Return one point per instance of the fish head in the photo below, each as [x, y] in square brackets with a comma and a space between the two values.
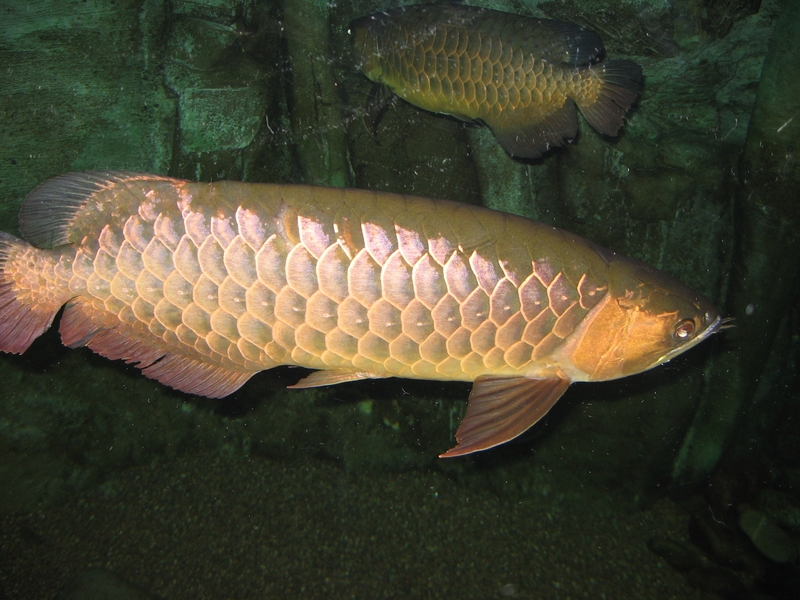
[646, 319]
[667, 319]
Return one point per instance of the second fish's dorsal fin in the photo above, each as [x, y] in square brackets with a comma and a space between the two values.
[69, 207]
[565, 42]
[502, 408]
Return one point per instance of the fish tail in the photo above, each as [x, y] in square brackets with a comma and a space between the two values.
[619, 84]
[30, 296]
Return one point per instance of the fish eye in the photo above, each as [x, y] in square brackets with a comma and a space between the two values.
[684, 330]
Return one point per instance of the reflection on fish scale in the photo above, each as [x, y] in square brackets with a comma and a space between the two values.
[394, 304]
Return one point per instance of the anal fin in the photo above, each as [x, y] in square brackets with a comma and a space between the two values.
[331, 377]
[530, 136]
[81, 325]
[194, 376]
[502, 408]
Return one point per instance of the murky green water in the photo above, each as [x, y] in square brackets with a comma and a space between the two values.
[626, 486]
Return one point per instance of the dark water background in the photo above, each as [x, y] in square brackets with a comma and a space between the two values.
[683, 482]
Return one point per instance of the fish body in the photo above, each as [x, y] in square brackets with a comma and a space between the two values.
[520, 75]
[202, 285]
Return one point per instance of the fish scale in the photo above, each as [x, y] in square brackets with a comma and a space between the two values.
[204, 285]
[383, 318]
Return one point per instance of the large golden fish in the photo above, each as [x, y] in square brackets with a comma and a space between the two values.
[520, 75]
[205, 284]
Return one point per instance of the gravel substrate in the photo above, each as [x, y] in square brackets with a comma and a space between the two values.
[209, 527]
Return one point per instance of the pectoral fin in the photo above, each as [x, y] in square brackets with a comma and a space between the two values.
[331, 377]
[378, 101]
[502, 408]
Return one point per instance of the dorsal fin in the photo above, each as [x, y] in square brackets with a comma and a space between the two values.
[64, 209]
[569, 43]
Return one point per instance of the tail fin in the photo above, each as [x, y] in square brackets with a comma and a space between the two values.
[28, 303]
[620, 81]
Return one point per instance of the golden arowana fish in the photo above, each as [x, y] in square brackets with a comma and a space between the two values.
[519, 75]
[205, 284]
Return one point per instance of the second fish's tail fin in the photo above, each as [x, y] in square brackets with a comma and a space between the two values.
[620, 81]
[31, 292]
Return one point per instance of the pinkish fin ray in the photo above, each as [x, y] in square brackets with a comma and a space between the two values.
[21, 321]
[331, 377]
[195, 377]
[80, 327]
[50, 212]
[502, 408]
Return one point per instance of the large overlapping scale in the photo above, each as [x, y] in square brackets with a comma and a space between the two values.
[250, 277]
[483, 64]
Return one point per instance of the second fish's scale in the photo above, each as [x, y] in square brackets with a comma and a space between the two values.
[520, 75]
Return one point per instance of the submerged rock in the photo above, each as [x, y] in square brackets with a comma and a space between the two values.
[772, 541]
[724, 544]
[784, 507]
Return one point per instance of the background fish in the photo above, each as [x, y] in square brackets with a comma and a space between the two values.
[205, 284]
[520, 75]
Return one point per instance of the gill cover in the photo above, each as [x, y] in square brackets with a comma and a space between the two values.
[646, 320]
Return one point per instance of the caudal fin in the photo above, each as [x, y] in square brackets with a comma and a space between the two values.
[620, 81]
[27, 302]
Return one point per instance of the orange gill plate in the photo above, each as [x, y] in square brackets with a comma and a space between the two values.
[202, 285]
[519, 75]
